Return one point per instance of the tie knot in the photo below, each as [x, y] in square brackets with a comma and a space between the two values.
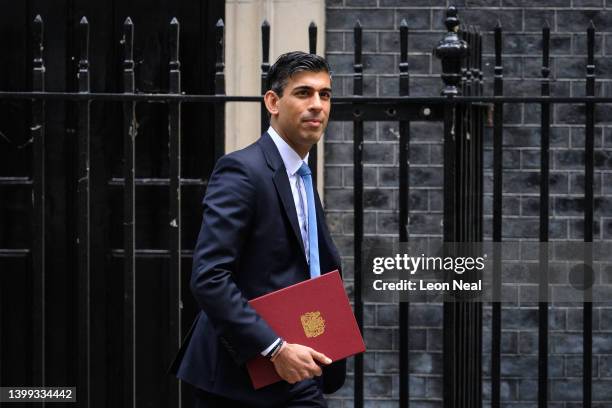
[304, 170]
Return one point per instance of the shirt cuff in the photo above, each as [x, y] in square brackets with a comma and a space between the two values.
[270, 347]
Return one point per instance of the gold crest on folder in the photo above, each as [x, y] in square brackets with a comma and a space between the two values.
[313, 324]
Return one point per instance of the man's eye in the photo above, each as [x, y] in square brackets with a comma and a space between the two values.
[325, 95]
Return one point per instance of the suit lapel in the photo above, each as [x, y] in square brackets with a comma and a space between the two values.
[281, 182]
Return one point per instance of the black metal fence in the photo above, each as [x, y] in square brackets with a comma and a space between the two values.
[462, 108]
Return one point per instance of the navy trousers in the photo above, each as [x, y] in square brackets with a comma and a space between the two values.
[310, 396]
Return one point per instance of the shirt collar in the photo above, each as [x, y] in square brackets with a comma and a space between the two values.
[291, 159]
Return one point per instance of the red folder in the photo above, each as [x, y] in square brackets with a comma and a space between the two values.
[315, 313]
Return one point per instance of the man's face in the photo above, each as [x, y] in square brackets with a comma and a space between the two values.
[301, 114]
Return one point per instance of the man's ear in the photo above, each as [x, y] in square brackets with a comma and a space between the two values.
[271, 100]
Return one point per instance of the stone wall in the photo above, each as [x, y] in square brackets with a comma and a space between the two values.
[522, 22]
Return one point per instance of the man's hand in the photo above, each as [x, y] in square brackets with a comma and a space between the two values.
[295, 362]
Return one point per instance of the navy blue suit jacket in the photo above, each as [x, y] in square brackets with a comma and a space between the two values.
[249, 245]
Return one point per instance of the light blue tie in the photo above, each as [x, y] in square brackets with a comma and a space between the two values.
[313, 237]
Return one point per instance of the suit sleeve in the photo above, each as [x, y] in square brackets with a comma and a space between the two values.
[228, 215]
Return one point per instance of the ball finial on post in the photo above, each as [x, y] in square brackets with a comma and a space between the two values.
[451, 50]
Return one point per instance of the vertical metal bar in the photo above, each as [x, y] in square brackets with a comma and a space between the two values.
[470, 323]
[469, 168]
[469, 203]
[587, 329]
[467, 376]
[474, 139]
[480, 139]
[473, 323]
[83, 237]
[477, 335]
[475, 306]
[452, 51]
[471, 198]
[498, 90]
[480, 213]
[265, 68]
[174, 287]
[475, 120]
[219, 107]
[448, 234]
[38, 239]
[404, 194]
[313, 156]
[544, 204]
[358, 214]
[462, 144]
[462, 123]
[129, 215]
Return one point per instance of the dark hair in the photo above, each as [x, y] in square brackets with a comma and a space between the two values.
[288, 64]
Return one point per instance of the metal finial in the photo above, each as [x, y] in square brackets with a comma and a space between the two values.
[451, 50]
[452, 22]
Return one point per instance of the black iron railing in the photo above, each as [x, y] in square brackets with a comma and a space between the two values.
[462, 108]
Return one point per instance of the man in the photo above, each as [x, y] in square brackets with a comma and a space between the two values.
[263, 229]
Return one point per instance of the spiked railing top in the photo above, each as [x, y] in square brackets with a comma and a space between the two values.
[219, 29]
[403, 43]
[175, 32]
[265, 42]
[128, 42]
[312, 38]
[545, 50]
[357, 37]
[498, 44]
[83, 43]
[38, 37]
[591, 43]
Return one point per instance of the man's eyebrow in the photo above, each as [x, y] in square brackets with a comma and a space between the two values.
[307, 87]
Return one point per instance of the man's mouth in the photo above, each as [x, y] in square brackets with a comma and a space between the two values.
[313, 122]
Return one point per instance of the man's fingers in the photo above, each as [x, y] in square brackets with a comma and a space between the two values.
[301, 365]
[305, 374]
[320, 357]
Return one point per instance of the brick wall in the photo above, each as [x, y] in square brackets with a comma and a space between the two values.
[522, 22]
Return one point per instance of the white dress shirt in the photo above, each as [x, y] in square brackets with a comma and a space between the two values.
[293, 162]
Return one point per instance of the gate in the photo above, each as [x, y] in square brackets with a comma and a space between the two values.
[104, 250]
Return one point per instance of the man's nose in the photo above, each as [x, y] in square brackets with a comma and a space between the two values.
[315, 103]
